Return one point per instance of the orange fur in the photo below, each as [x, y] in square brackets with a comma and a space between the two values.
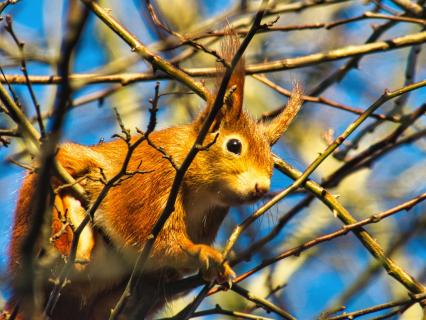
[62, 233]
[217, 179]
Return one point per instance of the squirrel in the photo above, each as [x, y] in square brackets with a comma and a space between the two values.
[236, 169]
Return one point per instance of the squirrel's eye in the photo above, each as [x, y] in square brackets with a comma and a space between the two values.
[234, 146]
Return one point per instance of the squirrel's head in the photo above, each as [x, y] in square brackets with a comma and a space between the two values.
[237, 167]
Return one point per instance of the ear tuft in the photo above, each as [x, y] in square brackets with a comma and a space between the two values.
[229, 48]
[233, 101]
[277, 126]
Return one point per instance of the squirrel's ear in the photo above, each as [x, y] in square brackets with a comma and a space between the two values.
[235, 89]
[233, 101]
[202, 116]
[278, 125]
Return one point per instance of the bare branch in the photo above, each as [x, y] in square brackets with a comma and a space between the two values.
[273, 66]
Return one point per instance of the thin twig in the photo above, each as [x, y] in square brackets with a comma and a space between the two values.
[4, 4]
[339, 74]
[236, 314]
[387, 95]
[338, 233]
[309, 26]
[410, 6]
[367, 240]
[320, 99]
[364, 158]
[352, 315]
[265, 304]
[372, 269]
[183, 40]
[153, 111]
[410, 72]
[75, 21]
[116, 179]
[273, 66]
[138, 47]
[24, 69]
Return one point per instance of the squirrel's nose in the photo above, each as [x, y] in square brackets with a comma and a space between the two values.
[261, 188]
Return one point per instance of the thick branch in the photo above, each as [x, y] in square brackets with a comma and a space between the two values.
[138, 47]
[368, 241]
[327, 152]
[273, 66]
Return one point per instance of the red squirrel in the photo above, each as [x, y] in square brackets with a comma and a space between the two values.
[236, 169]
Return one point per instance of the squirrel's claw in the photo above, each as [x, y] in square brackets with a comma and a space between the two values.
[212, 266]
[226, 277]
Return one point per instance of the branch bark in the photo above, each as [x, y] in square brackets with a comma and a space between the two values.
[185, 74]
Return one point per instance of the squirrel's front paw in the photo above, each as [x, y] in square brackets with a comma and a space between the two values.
[212, 266]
